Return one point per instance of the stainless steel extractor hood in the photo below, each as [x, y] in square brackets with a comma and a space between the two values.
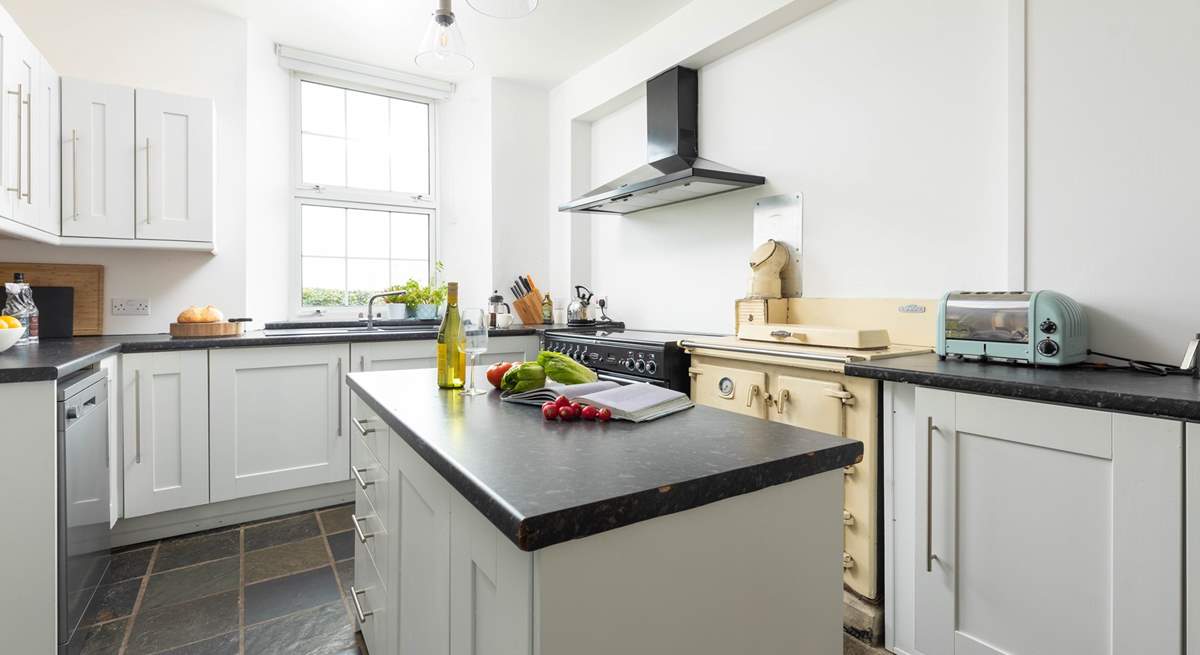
[676, 173]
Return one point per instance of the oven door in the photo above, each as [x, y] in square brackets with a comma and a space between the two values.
[625, 378]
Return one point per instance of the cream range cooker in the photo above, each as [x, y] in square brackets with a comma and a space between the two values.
[792, 372]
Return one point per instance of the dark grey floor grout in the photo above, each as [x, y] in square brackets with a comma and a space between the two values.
[137, 604]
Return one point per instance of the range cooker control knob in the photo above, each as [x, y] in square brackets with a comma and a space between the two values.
[595, 357]
[1049, 327]
[1047, 348]
[651, 367]
[629, 364]
[640, 366]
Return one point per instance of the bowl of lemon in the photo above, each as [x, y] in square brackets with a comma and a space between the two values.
[10, 332]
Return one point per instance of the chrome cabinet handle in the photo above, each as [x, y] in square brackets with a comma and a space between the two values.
[29, 142]
[929, 556]
[339, 396]
[147, 180]
[74, 175]
[362, 616]
[20, 93]
[362, 429]
[137, 416]
[362, 537]
[358, 476]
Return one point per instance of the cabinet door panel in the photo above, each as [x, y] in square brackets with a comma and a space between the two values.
[372, 598]
[732, 389]
[46, 112]
[174, 167]
[1192, 538]
[165, 404]
[277, 419]
[490, 592]
[10, 35]
[813, 404]
[21, 64]
[97, 160]
[424, 571]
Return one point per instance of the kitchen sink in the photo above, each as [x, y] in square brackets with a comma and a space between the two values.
[314, 332]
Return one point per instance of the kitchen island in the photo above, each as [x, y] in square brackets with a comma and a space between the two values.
[483, 528]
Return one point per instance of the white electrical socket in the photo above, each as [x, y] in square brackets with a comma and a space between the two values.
[130, 306]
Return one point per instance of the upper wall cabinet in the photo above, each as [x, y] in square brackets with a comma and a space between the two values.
[97, 160]
[174, 174]
[29, 111]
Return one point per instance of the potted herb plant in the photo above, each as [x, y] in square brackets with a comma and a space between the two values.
[396, 305]
[424, 300]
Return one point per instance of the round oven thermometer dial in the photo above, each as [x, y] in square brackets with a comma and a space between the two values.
[725, 387]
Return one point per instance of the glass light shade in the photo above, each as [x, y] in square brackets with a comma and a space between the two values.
[504, 8]
[443, 49]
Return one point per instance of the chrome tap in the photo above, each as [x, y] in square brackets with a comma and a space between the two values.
[371, 301]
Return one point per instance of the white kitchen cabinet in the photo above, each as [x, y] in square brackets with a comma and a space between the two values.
[97, 160]
[279, 418]
[1191, 473]
[10, 74]
[21, 64]
[47, 174]
[174, 174]
[164, 402]
[1043, 529]
[403, 355]
[491, 598]
[422, 578]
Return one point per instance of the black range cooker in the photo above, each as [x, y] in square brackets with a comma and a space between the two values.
[626, 355]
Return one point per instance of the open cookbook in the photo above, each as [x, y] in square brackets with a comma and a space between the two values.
[635, 402]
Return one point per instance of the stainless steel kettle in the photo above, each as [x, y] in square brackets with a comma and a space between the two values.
[578, 309]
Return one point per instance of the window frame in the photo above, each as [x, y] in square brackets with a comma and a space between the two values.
[350, 198]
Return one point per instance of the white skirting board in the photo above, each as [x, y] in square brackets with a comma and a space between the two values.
[230, 512]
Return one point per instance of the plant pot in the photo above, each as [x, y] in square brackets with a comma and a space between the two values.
[427, 311]
[397, 310]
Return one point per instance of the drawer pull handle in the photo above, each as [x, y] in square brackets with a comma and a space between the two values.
[362, 616]
[780, 334]
[362, 429]
[930, 428]
[358, 476]
[362, 537]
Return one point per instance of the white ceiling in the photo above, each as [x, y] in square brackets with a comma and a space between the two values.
[555, 41]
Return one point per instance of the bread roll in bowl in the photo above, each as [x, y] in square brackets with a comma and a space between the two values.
[197, 314]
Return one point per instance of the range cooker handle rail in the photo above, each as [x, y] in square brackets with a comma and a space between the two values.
[817, 357]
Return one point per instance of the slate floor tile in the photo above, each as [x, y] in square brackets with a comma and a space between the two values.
[324, 630]
[127, 565]
[345, 572]
[275, 598]
[179, 585]
[188, 550]
[289, 558]
[226, 644]
[337, 519]
[104, 639]
[175, 625]
[342, 545]
[112, 602]
[296, 528]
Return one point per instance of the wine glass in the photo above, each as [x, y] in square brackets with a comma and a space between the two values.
[475, 337]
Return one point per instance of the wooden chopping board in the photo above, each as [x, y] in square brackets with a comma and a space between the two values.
[86, 279]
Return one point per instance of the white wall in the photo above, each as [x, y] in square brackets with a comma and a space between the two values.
[465, 186]
[890, 119]
[173, 47]
[268, 180]
[1114, 132]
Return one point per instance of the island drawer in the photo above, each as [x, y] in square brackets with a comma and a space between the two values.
[369, 602]
[370, 531]
[372, 432]
[371, 480]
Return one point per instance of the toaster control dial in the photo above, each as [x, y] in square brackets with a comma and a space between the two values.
[1049, 327]
[1047, 348]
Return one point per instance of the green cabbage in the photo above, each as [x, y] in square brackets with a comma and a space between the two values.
[565, 370]
[523, 377]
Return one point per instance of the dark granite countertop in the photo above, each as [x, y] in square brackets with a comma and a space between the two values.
[1118, 390]
[51, 359]
[543, 483]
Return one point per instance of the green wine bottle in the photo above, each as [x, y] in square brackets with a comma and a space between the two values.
[451, 344]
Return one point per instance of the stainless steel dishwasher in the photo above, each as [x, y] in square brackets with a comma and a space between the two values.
[84, 546]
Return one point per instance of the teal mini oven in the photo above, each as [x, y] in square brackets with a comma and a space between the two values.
[1034, 327]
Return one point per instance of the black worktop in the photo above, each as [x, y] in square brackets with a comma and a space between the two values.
[1112, 389]
[543, 483]
[51, 359]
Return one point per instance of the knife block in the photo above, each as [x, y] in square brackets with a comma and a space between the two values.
[529, 308]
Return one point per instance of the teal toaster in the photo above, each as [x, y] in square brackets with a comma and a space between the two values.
[1034, 327]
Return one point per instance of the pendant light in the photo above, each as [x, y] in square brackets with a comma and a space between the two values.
[443, 49]
[504, 8]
